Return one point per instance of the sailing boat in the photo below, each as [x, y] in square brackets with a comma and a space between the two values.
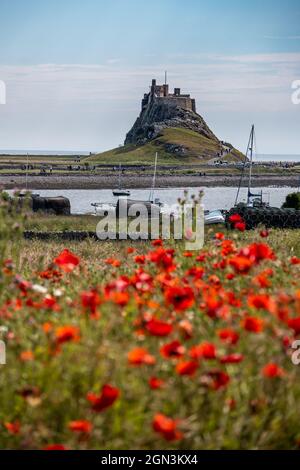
[120, 191]
[151, 200]
[252, 199]
[151, 195]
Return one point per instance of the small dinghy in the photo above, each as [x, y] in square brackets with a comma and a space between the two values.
[120, 191]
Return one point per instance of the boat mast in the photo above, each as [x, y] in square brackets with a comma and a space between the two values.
[154, 179]
[251, 162]
[26, 176]
[250, 145]
[119, 175]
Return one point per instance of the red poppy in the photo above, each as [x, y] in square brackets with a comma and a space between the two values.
[272, 370]
[219, 236]
[295, 260]
[157, 242]
[294, 324]
[13, 427]
[235, 218]
[158, 328]
[113, 262]
[90, 300]
[105, 399]
[241, 226]
[228, 335]
[173, 349]
[140, 259]
[253, 324]
[155, 383]
[67, 260]
[167, 427]
[181, 298]
[120, 298]
[163, 258]
[259, 252]
[218, 379]
[204, 350]
[241, 264]
[67, 333]
[233, 358]
[82, 426]
[264, 233]
[187, 367]
[55, 447]
[140, 356]
[262, 301]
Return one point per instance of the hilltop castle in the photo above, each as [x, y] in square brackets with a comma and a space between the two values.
[161, 110]
[161, 94]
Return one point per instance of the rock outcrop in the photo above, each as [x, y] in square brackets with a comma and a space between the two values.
[160, 114]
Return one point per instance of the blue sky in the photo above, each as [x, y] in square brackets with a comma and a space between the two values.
[75, 71]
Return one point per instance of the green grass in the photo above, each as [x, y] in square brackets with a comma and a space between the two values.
[198, 149]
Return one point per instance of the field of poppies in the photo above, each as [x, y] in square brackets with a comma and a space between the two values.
[120, 345]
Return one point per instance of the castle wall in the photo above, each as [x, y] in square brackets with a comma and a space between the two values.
[182, 102]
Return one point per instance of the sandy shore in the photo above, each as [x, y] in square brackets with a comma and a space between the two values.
[137, 181]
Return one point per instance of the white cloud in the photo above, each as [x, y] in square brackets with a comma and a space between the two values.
[92, 106]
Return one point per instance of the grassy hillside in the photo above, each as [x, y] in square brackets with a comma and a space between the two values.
[191, 148]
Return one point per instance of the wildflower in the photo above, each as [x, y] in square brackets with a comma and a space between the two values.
[157, 242]
[120, 298]
[26, 356]
[262, 301]
[294, 324]
[295, 260]
[233, 358]
[67, 333]
[187, 367]
[241, 226]
[113, 262]
[219, 236]
[241, 264]
[158, 328]
[67, 261]
[55, 447]
[90, 300]
[82, 426]
[140, 259]
[204, 350]
[228, 335]
[163, 258]
[13, 427]
[235, 218]
[172, 350]
[130, 250]
[217, 379]
[167, 427]
[181, 298]
[105, 399]
[264, 233]
[140, 356]
[155, 383]
[272, 370]
[253, 324]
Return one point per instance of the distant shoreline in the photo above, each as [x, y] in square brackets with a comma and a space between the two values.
[140, 181]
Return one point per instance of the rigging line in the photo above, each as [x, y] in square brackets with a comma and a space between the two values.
[243, 171]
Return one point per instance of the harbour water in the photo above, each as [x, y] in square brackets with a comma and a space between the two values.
[214, 198]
